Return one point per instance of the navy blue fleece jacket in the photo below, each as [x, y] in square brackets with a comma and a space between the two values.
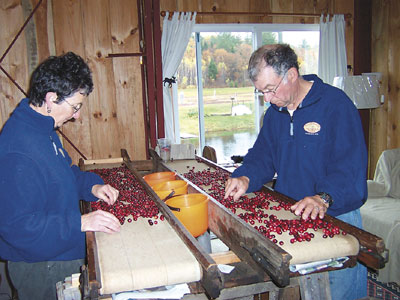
[40, 191]
[320, 149]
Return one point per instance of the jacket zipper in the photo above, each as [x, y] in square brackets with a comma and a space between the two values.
[54, 145]
[291, 125]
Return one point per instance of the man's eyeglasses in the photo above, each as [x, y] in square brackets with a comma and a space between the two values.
[75, 107]
[273, 91]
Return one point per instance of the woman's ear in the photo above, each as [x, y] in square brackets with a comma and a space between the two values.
[50, 98]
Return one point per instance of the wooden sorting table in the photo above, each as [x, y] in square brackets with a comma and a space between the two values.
[260, 265]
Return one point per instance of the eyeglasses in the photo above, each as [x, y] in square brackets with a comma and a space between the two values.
[76, 107]
[273, 91]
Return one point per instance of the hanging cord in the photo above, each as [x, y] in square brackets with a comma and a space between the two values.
[13, 81]
[68, 140]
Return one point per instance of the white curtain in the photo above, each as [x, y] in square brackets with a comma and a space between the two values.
[175, 37]
[332, 48]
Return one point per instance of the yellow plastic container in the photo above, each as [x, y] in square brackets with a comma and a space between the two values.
[159, 177]
[193, 212]
[164, 189]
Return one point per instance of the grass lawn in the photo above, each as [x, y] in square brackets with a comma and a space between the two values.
[217, 118]
[192, 92]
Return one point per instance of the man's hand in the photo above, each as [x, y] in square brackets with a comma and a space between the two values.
[105, 192]
[236, 187]
[100, 220]
[312, 206]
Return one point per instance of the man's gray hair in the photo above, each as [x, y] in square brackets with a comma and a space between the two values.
[280, 57]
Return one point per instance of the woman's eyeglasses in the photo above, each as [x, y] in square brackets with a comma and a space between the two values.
[75, 107]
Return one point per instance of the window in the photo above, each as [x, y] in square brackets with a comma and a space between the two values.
[216, 101]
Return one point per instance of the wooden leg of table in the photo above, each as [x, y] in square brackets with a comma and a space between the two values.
[289, 293]
[315, 286]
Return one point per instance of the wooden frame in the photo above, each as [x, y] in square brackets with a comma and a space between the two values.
[256, 259]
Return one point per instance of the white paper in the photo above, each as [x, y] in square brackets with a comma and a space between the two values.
[225, 268]
[170, 292]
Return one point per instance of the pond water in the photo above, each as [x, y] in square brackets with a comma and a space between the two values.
[226, 144]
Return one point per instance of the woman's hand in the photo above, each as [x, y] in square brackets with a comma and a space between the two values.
[100, 220]
[105, 192]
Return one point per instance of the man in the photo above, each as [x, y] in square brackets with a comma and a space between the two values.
[312, 139]
[41, 228]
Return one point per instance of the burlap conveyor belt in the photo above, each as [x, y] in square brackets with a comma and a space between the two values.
[143, 256]
[318, 248]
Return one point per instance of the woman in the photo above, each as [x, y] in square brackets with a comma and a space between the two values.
[41, 228]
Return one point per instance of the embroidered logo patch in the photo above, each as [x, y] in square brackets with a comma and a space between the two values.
[312, 128]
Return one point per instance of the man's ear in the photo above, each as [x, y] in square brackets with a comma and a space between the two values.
[292, 74]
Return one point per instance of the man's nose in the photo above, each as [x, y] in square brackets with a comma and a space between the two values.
[268, 97]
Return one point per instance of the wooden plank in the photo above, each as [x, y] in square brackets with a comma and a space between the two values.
[248, 244]
[42, 38]
[307, 7]
[279, 6]
[379, 63]
[30, 35]
[261, 6]
[68, 35]
[150, 76]
[225, 258]
[371, 246]
[104, 161]
[15, 62]
[103, 117]
[159, 85]
[393, 69]
[263, 256]
[211, 278]
[128, 84]
[315, 286]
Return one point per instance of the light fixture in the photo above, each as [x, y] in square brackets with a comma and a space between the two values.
[363, 90]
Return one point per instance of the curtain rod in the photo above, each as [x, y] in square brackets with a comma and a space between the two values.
[261, 14]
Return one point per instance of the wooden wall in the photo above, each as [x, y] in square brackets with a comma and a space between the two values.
[385, 125]
[272, 6]
[113, 117]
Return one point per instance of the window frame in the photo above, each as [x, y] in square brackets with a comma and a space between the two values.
[256, 30]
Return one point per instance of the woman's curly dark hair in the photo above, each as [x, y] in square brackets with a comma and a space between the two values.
[64, 75]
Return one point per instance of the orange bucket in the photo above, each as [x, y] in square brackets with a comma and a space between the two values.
[159, 177]
[193, 212]
[164, 189]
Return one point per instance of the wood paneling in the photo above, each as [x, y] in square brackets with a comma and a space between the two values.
[113, 116]
[15, 63]
[68, 15]
[267, 6]
[385, 59]
[128, 87]
[104, 131]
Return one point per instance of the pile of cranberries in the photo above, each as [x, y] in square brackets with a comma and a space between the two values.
[258, 210]
[133, 201]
